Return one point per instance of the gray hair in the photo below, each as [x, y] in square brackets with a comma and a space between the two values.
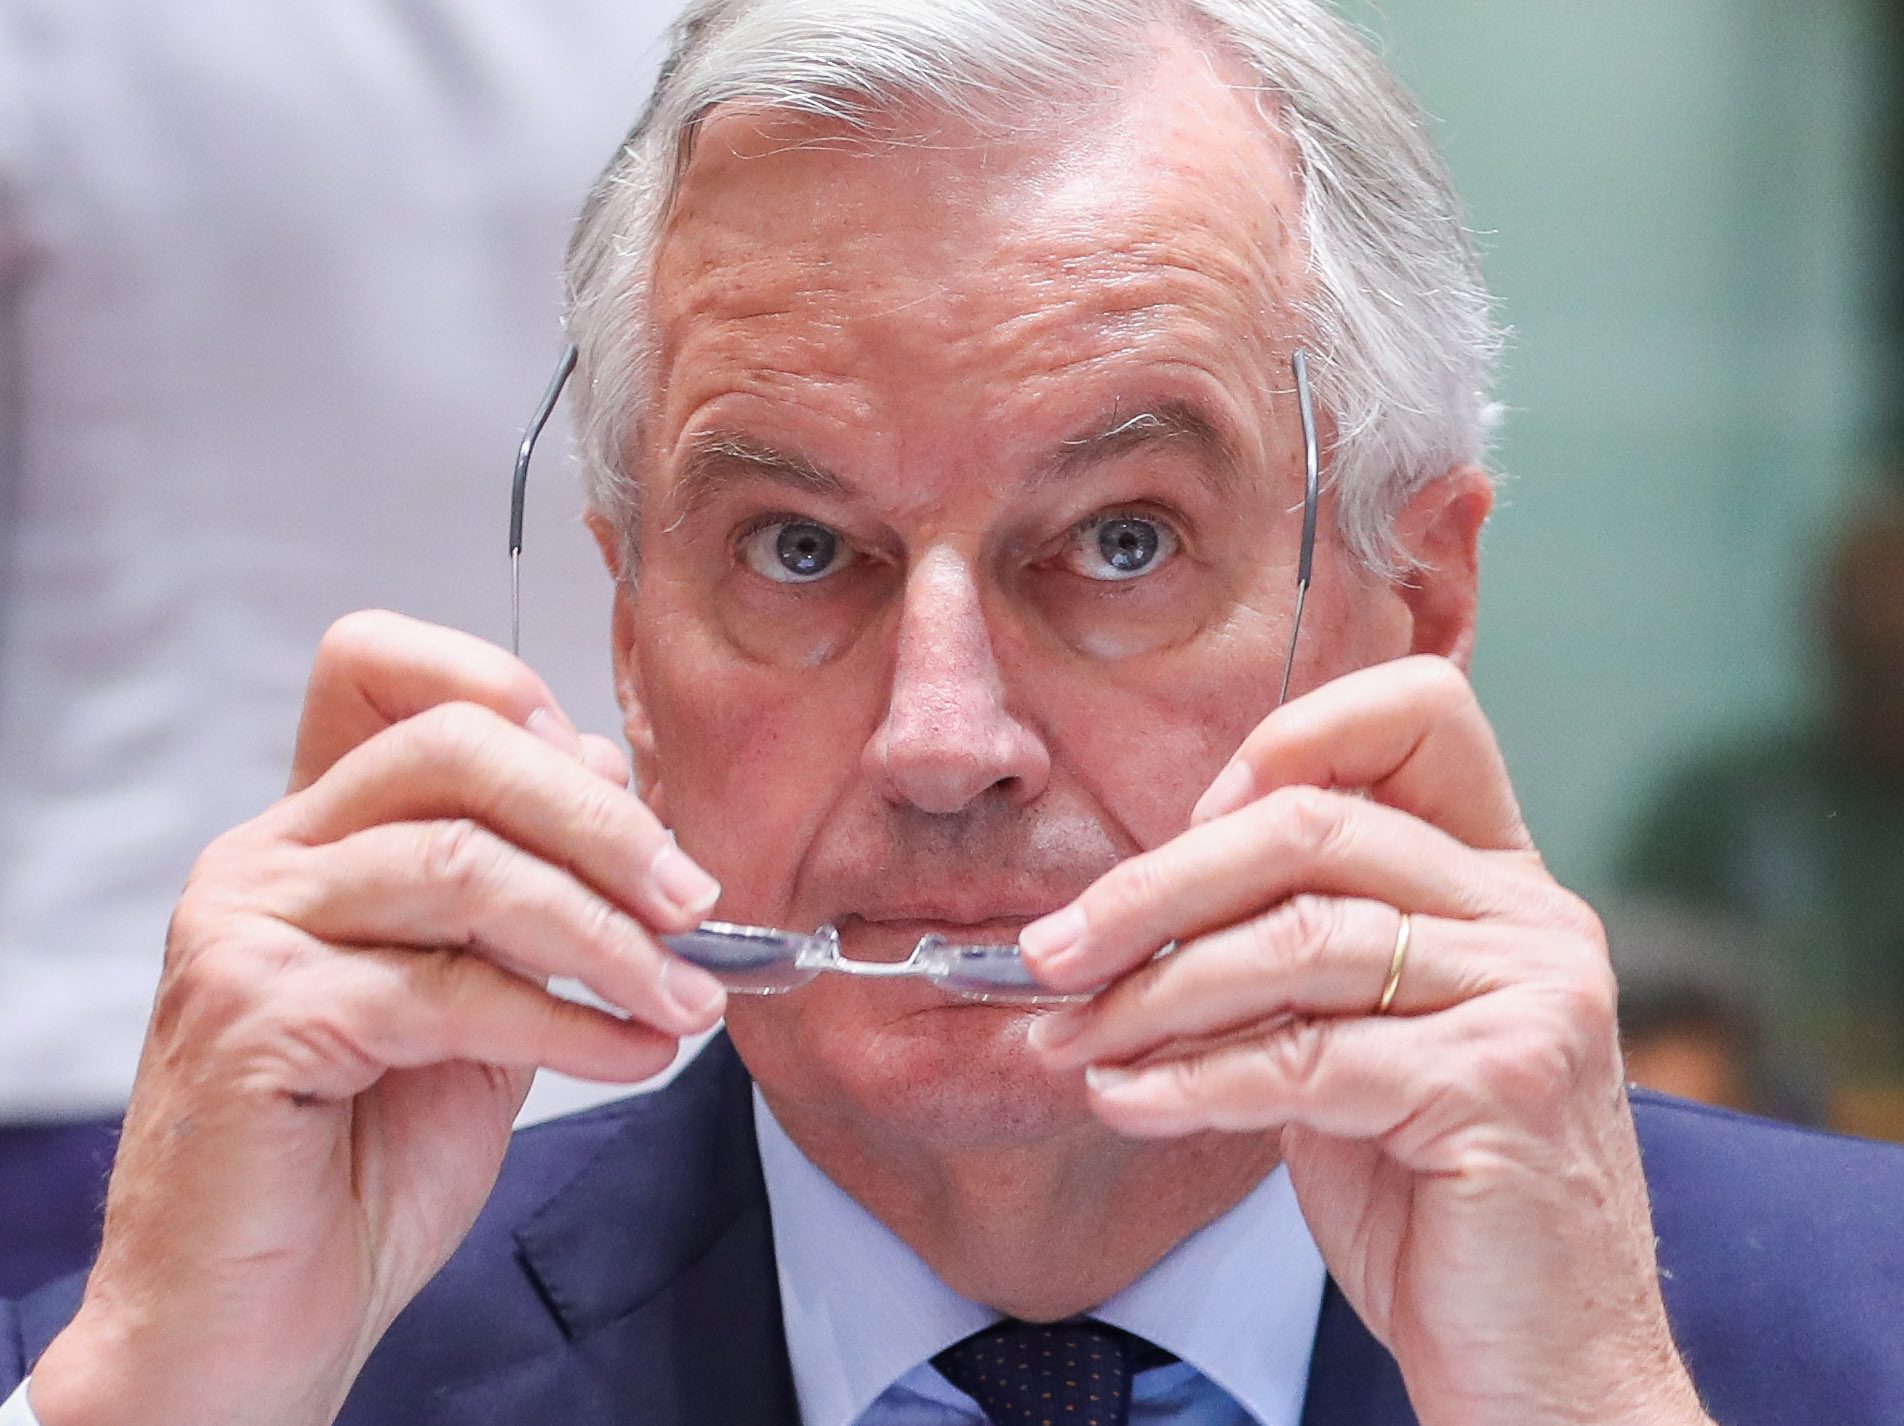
[1396, 311]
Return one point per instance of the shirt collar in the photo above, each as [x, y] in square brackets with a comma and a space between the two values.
[1237, 1300]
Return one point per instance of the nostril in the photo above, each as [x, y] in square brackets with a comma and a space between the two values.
[939, 786]
[950, 776]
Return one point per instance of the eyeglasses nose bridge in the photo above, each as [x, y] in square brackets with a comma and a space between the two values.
[826, 955]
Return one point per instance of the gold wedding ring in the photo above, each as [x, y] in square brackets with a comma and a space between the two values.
[1403, 934]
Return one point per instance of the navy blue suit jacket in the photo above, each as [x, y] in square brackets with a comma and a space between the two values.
[623, 1275]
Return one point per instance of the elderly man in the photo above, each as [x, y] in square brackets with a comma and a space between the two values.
[935, 367]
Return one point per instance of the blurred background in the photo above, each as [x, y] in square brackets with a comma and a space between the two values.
[1693, 214]
[279, 286]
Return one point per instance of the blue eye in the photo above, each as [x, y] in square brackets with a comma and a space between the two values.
[795, 551]
[1119, 547]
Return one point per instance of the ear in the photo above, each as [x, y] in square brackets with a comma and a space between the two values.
[636, 727]
[1440, 531]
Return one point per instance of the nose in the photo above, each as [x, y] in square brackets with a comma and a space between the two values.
[948, 736]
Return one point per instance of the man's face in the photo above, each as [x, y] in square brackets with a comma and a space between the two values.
[972, 496]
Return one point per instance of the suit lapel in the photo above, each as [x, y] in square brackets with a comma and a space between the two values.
[657, 1262]
[710, 1350]
[1353, 1381]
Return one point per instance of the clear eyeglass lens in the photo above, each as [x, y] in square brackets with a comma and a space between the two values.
[996, 973]
[748, 959]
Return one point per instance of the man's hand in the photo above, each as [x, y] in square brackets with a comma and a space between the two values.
[1466, 1161]
[351, 1010]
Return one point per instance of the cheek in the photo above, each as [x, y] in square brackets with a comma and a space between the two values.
[1123, 621]
[1145, 748]
[751, 757]
[808, 628]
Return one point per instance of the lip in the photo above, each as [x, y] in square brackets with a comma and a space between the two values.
[977, 930]
[893, 937]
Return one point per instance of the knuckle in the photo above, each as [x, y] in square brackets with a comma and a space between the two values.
[457, 734]
[1441, 687]
[599, 814]
[1589, 1004]
[1533, 1073]
[218, 982]
[1293, 937]
[604, 930]
[222, 970]
[1573, 914]
[224, 947]
[1519, 1075]
[352, 640]
[1293, 1056]
[601, 923]
[232, 864]
[1133, 885]
[1311, 927]
[1189, 1078]
[195, 921]
[1313, 820]
[462, 856]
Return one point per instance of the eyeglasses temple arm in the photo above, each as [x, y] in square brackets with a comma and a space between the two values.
[1311, 498]
[519, 489]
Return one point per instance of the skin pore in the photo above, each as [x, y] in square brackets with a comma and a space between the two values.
[968, 561]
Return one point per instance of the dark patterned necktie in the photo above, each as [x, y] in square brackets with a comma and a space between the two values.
[1058, 1374]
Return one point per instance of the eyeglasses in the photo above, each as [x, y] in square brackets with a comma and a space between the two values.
[759, 960]
[756, 960]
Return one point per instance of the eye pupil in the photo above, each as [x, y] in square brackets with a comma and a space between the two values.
[1127, 545]
[806, 549]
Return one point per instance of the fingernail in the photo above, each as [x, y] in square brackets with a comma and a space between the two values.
[1230, 791]
[1048, 938]
[683, 883]
[1106, 1079]
[1056, 1029]
[556, 731]
[691, 990]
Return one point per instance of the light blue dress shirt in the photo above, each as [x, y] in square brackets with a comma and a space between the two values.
[1237, 1302]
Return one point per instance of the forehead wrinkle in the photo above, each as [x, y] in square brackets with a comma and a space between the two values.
[1140, 339]
[1186, 286]
[1068, 285]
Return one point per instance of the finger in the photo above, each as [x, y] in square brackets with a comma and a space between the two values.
[604, 757]
[456, 884]
[360, 1015]
[1310, 957]
[375, 669]
[1296, 840]
[460, 760]
[1508, 1064]
[1410, 732]
[1334, 1076]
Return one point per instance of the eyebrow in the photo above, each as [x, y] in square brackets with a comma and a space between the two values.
[1150, 425]
[719, 459]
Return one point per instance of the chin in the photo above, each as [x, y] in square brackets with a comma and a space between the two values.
[906, 1062]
